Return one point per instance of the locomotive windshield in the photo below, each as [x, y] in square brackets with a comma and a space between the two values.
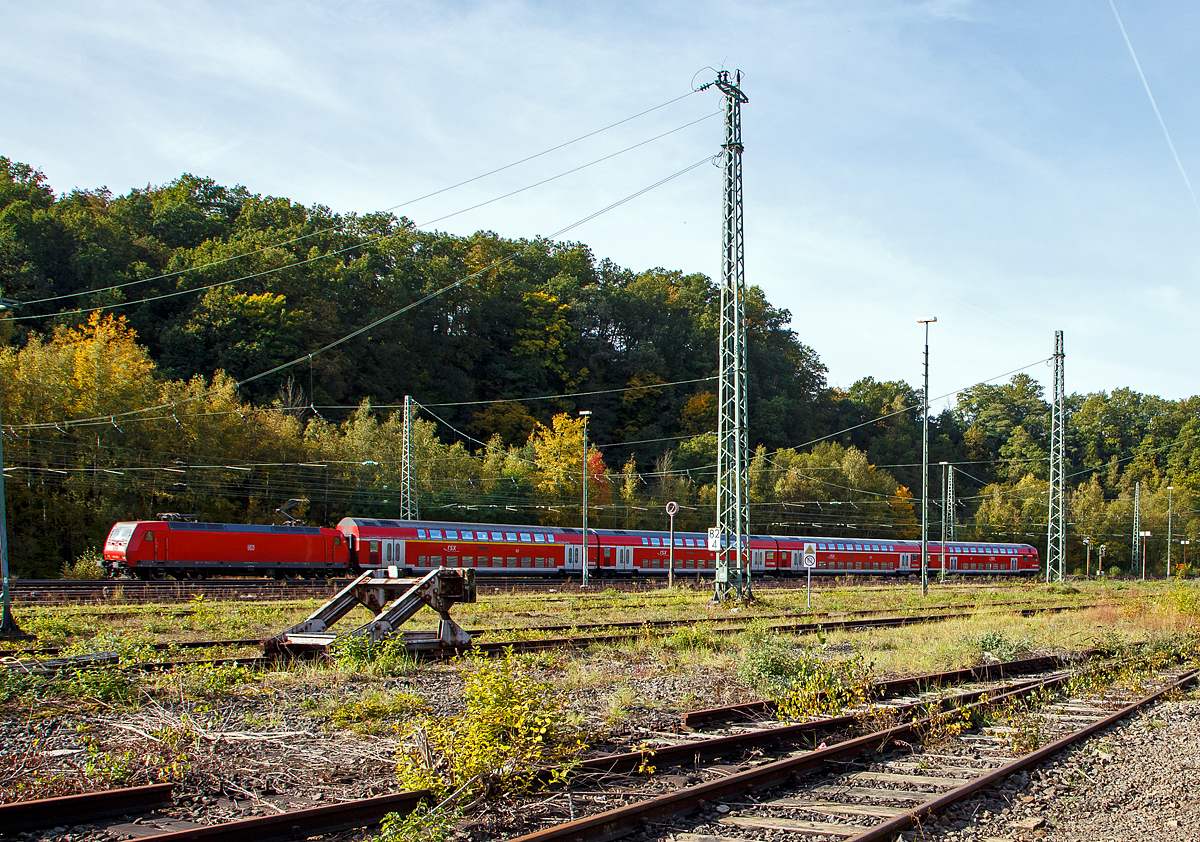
[122, 532]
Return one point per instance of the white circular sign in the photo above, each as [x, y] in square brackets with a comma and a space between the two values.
[672, 508]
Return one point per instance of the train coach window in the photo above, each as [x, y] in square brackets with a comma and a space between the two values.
[654, 542]
[645, 542]
[510, 536]
[374, 547]
[497, 561]
[526, 538]
[550, 539]
[468, 561]
[452, 534]
[423, 560]
[435, 533]
[468, 535]
[420, 533]
[539, 561]
[452, 561]
[435, 561]
[539, 538]
[510, 561]
[526, 561]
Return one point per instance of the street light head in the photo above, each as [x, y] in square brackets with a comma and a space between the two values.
[926, 321]
[584, 413]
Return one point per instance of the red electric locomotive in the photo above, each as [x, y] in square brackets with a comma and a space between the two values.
[154, 549]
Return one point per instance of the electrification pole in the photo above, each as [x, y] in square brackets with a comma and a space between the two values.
[408, 479]
[729, 537]
[9, 629]
[925, 467]
[945, 508]
[950, 502]
[585, 414]
[1170, 500]
[1137, 523]
[1056, 530]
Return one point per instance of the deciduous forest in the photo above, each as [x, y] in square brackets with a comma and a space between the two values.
[199, 348]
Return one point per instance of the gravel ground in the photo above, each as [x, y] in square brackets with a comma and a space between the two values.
[1136, 781]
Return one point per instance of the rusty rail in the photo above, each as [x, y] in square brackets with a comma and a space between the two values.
[300, 824]
[901, 686]
[78, 809]
[615, 823]
[890, 828]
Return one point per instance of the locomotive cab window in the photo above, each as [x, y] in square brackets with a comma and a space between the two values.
[150, 536]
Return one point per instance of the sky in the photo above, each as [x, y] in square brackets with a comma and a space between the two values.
[996, 165]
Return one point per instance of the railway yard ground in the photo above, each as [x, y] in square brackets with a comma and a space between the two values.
[520, 741]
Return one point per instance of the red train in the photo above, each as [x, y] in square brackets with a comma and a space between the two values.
[156, 549]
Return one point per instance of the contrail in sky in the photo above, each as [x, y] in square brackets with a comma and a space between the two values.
[1154, 105]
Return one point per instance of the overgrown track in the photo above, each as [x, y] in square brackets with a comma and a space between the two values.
[83, 591]
[869, 785]
[44, 662]
[153, 806]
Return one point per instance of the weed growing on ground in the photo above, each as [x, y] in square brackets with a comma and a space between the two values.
[511, 727]
[424, 824]
[622, 700]
[937, 727]
[211, 681]
[800, 681]
[376, 711]
[995, 646]
[700, 637]
[103, 684]
[381, 658]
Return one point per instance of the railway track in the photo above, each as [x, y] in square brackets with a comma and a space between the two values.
[84, 591]
[46, 661]
[94, 812]
[844, 778]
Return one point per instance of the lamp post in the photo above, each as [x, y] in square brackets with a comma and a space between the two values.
[1143, 536]
[925, 467]
[1087, 564]
[585, 414]
[8, 625]
[672, 510]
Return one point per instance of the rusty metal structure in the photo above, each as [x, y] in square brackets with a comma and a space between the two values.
[393, 601]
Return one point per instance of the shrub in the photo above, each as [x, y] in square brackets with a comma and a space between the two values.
[89, 565]
[510, 729]
[424, 824]
[800, 681]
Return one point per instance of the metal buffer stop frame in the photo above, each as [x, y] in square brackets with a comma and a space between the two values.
[393, 601]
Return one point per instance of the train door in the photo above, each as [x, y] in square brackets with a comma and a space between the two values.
[953, 563]
[624, 558]
[758, 560]
[572, 557]
[906, 561]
